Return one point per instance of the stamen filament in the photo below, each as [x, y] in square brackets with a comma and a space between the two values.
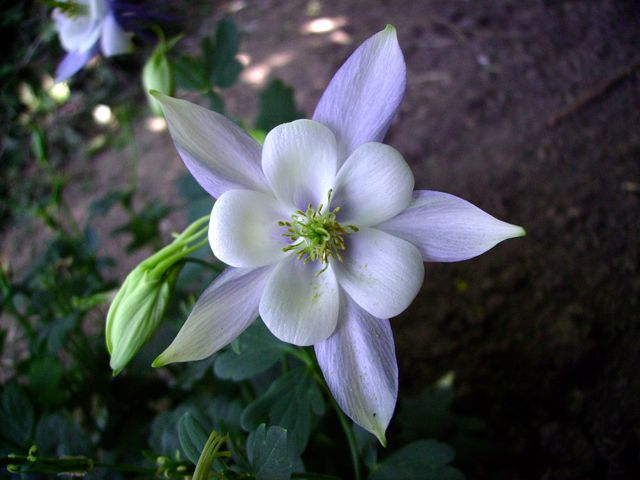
[316, 235]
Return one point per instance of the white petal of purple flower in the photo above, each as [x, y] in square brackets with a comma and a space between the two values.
[85, 32]
[364, 94]
[324, 234]
[223, 311]
[359, 364]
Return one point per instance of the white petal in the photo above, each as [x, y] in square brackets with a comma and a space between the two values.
[97, 8]
[448, 229]
[244, 230]
[77, 34]
[299, 305]
[114, 40]
[359, 364]
[299, 160]
[382, 273]
[219, 154]
[363, 96]
[225, 309]
[373, 185]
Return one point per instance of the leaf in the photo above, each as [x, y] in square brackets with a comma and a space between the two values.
[257, 350]
[288, 403]
[46, 376]
[216, 102]
[144, 226]
[198, 200]
[189, 73]
[429, 415]
[58, 435]
[268, 454]
[171, 432]
[367, 445]
[276, 105]
[3, 337]
[225, 412]
[55, 335]
[103, 205]
[16, 416]
[224, 68]
[190, 190]
[258, 135]
[192, 373]
[164, 437]
[421, 460]
[192, 436]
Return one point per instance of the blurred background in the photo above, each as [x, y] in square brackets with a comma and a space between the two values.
[529, 109]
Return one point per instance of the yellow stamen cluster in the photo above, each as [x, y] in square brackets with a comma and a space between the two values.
[316, 234]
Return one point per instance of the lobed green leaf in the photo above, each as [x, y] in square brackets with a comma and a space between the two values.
[289, 402]
[254, 352]
[421, 460]
[268, 453]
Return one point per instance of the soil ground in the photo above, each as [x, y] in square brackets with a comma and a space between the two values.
[529, 109]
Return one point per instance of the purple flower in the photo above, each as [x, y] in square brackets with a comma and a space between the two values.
[85, 27]
[323, 232]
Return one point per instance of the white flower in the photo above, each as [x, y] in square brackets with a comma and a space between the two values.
[84, 28]
[323, 232]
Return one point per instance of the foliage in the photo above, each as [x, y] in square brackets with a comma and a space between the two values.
[277, 105]
[422, 460]
[216, 67]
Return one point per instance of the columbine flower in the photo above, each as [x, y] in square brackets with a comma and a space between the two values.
[85, 27]
[323, 232]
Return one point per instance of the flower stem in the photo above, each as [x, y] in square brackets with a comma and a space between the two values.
[351, 440]
[199, 261]
[65, 466]
[311, 361]
[209, 451]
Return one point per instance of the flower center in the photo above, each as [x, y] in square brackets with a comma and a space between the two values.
[316, 234]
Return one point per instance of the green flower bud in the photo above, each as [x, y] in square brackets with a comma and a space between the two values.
[157, 73]
[136, 312]
[140, 304]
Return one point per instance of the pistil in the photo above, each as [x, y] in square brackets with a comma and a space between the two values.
[315, 234]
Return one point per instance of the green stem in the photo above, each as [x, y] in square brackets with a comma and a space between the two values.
[310, 360]
[72, 465]
[177, 250]
[351, 439]
[199, 261]
[66, 212]
[246, 391]
[23, 320]
[133, 157]
[302, 355]
[214, 442]
[194, 227]
[165, 264]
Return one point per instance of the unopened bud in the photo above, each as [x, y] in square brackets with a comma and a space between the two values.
[157, 73]
[138, 307]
